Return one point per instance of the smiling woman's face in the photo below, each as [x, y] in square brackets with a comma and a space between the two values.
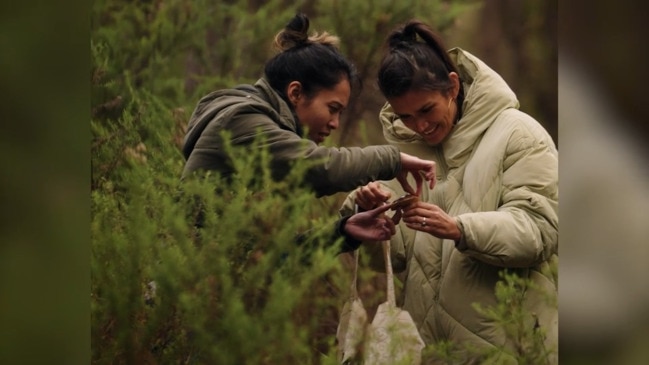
[429, 113]
[320, 114]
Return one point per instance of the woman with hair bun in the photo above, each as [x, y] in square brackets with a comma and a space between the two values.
[304, 89]
[494, 208]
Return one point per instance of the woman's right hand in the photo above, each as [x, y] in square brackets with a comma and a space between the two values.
[418, 168]
[371, 196]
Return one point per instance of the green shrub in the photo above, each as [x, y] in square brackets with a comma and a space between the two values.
[238, 290]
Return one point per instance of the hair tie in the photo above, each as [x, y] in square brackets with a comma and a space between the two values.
[409, 34]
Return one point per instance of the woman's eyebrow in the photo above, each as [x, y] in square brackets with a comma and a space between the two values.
[337, 105]
[421, 109]
[426, 106]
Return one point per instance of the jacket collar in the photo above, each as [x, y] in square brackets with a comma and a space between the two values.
[288, 119]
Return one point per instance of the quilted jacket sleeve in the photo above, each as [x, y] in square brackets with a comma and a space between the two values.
[523, 231]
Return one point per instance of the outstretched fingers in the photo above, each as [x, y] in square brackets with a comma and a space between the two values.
[403, 180]
[379, 210]
[430, 175]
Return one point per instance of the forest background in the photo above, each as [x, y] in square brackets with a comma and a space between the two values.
[152, 285]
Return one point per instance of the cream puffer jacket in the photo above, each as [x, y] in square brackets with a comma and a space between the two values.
[498, 174]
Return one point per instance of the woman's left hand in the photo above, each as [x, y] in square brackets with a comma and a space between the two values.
[430, 218]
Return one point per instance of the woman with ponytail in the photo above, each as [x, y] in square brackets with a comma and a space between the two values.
[493, 211]
[302, 93]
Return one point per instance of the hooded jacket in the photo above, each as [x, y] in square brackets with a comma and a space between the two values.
[249, 112]
[497, 173]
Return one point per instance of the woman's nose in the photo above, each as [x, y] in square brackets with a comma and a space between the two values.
[421, 124]
[335, 122]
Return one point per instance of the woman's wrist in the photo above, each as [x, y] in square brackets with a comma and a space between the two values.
[460, 243]
[349, 242]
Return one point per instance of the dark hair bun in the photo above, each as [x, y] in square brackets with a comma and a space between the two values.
[295, 34]
[404, 36]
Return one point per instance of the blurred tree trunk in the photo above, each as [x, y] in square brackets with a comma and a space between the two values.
[518, 39]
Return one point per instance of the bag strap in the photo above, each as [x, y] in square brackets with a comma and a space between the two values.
[388, 273]
[353, 289]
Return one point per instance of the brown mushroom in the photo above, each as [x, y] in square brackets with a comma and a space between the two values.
[404, 201]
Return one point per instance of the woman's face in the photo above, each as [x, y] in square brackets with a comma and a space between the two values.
[429, 113]
[320, 114]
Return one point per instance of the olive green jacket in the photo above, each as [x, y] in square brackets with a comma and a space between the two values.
[498, 174]
[248, 112]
